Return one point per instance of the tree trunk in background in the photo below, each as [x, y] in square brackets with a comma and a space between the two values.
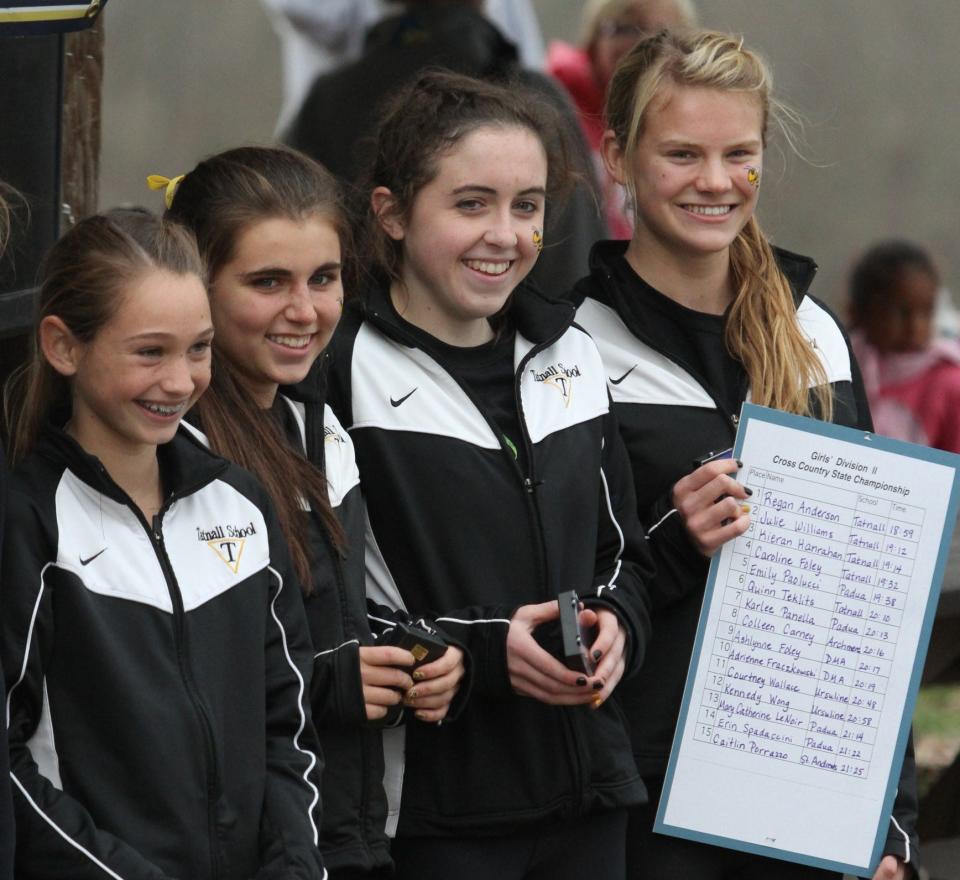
[80, 143]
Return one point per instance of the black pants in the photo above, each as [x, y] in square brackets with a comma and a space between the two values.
[659, 857]
[587, 849]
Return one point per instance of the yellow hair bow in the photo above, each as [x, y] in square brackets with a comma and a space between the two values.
[170, 184]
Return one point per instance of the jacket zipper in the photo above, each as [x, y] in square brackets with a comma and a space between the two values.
[529, 484]
[568, 720]
[313, 416]
[156, 539]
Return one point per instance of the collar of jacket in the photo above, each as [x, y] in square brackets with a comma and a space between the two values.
[798, 270]
[536, 317]
[186, 465]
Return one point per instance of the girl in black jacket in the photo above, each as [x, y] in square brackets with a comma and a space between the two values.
[271, 227]
[691, 315]
[156, 652]
[494, 481]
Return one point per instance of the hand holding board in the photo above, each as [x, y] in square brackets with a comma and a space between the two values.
[811, 643]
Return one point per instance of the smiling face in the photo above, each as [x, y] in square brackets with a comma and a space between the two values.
[277, 301]
[471, 234]
[133, 382]
[694, 170]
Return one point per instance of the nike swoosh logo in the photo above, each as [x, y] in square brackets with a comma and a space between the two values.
[402, 399]
[624, 376]
[90, 559]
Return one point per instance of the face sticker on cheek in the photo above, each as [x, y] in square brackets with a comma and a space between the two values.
[753, 176]
[537, 239]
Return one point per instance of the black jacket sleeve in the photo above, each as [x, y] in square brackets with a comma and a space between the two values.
[681, 568]
[624, 567]
[57, 835]
[291, 806]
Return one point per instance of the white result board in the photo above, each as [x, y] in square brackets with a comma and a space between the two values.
[810, 645]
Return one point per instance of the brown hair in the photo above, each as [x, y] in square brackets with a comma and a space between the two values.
[428, 117]
[762, 330]
[218, 200]
[83, 280]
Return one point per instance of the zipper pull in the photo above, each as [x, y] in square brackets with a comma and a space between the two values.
[736, 420]
[531, 485]
[156, 528]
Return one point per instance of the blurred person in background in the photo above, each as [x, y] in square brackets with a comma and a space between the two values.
[336, 122]
[912, 375]
[316, 37]
[611, 28]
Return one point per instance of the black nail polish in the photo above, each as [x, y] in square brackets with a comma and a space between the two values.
[739, 463]
[598, 685]
[581, 681]
[748, 490]
[597, 654]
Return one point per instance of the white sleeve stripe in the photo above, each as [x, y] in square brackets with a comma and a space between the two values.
[906, 837]
[303, 717]
[332, 650]
[611, 584]
[381, 620]
[471, 622]
[660, 522]
[26, 650]
[61, 832]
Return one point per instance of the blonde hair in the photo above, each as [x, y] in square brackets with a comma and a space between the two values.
[762, 329]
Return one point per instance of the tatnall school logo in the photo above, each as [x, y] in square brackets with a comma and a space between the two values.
[331, 435]
[560, 377]
[227, 542]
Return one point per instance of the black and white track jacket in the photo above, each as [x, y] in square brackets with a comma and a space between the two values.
[669, 416]
[354, 803]
[458, 532]
[157, 674]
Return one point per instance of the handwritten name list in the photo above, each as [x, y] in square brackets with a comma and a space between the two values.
[810, 620]
[810, 645]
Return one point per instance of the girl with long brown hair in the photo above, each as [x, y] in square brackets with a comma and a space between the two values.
[693, 315]
[270, 225]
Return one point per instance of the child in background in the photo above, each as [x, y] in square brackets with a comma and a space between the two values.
[271, 227]
[912, 377]
[494, 481]
[156, 653]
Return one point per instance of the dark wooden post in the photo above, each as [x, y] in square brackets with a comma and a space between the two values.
[80, 127]
[50, 87]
